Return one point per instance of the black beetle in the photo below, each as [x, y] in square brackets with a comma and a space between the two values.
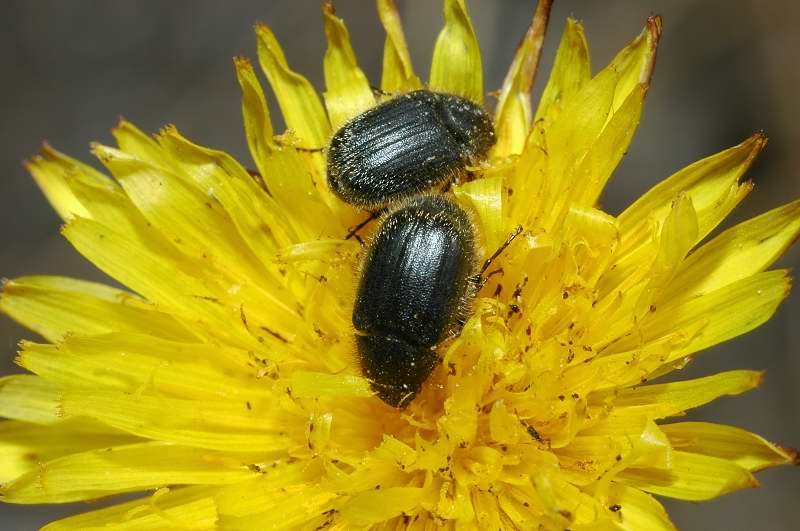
[417, 279]
[413, 143]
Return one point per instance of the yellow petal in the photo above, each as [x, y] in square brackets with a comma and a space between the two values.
[30, 398]
[582, 120]
[375, 506]
[107, 204]
[191, 507]
[746, 449]
[147, 272]
[130, 363]
[252, 211]
[591, 135]
[56, 306]
[297, 98]
[297, 189]
[674, 398]
[24, 446]
[53, 172]
[596, 455]
[634, 366]
[301, 506]
[196, 222]
[594, 236]
[518, 511]
[208, 302]
[255, 114]
[609, 148]
[132, 140]
[692, 477]
[254, 495]
[572, 136]
[569, 505]
[513, 114]
[113, 208]
[712, 183]
[215, 425]
[740, 251]
[55, 189]
[589, 457]
[233, 362]
[486, 198]
[398, 74]
[635, 510]
[394, 450]
[192, 219]
[678, 236]
[636, 61]
[571, 71]
[726, 313]
[504, 427]
[314, 384]
[713, 186]
[347, 91]
[130, 468]
[456, 67]
[240, 279]
[321, 249]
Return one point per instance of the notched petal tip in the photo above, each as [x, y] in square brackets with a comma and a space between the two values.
[528, 52]
[122, 124]
[652, 33]
[262, 28]
[789, 283]
[100, 151]
[758, 139]
[347, 90]
[167, 131]
[46, 149]
[753, 146]
[242, 63]
[297, 98]
[456, 66]
[398, 73]
[793, 454]
[255, 113]
[269, 50]
[654, 26]
[513, 114]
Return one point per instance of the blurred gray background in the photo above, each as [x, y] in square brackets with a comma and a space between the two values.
[725, 69]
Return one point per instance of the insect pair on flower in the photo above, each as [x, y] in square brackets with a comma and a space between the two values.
[420, 270]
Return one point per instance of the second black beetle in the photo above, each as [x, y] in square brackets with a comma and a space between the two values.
[413, 143]
[417, 281]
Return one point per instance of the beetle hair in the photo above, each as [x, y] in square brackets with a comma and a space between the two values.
[469, 231]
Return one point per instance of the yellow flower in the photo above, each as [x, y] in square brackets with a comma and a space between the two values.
[226, 378]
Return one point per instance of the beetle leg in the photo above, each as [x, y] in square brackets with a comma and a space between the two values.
[298, 148]
[309, 150]
[353, 232]
[480, 278]
[377, 91]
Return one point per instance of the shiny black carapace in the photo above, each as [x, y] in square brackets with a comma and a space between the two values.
[413, 143]
[417, 280]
